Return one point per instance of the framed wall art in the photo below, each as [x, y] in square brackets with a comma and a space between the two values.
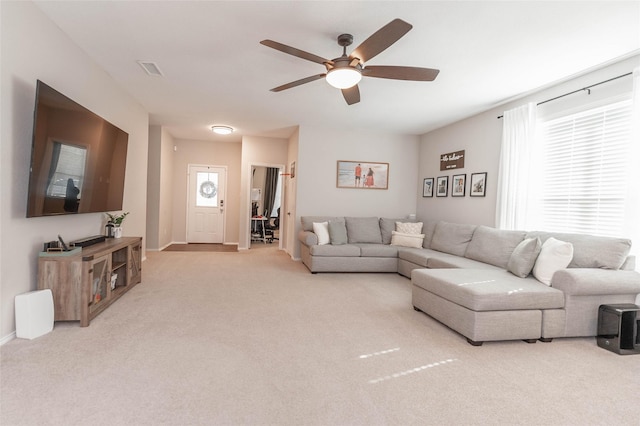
[362, 175]
[458, 184]
[427, 187]
[442, 186]
[478, 185]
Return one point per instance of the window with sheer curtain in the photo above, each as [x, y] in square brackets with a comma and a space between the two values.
[583, 173]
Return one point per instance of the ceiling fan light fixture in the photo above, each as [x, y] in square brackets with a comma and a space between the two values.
[222, 130]
[343, 78]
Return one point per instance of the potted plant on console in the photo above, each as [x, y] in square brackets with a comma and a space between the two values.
[114, 224]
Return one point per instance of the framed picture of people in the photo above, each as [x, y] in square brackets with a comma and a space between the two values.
[478, 185]
[458, 185]
[427, 187]
[441, 186]
[362, 175]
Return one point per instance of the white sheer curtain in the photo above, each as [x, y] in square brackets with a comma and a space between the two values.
[632, 207]
[518, 136]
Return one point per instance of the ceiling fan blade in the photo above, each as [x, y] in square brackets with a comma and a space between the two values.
[351, 95]
[401, 73]
[381, 39]
[295, 52]
[297, 83]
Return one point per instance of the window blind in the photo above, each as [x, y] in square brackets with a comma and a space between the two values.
[584, 170]
[68, 163]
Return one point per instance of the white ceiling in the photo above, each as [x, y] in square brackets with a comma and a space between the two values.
[216, 72]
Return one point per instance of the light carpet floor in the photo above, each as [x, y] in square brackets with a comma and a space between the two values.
[202, 247]
[252, 338]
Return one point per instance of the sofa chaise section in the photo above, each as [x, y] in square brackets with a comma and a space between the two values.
[484, 305]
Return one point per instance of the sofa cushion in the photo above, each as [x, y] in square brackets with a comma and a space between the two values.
[554, 256]
[321, 229]
[417, 256]
[524, 257]
[329, 250]
[377, 250]
[307, 221]
[493, 246]
[428, 228]
[452, 238]
[387, 226]
[591, 251]
[406, 240]
[446, 261]
[363, 230]
[337, 232]
[487, 290]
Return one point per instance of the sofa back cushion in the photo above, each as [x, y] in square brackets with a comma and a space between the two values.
[428, 228]
[307, 221]
[452, 238]
[338, 232]
[493, 246]
[590, 251]
[387, 226]
[363, 230]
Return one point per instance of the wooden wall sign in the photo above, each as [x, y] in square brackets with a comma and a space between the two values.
[452, 160]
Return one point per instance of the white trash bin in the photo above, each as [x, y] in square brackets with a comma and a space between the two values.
[34, 314]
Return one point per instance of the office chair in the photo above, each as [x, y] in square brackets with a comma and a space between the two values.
[270, 228]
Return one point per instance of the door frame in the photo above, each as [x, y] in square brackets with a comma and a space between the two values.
[282, 169]
[224, 216]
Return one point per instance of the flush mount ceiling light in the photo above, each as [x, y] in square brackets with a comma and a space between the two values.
[343, 78]
[222, 130]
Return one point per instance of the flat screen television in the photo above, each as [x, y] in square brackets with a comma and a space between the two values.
[78, 159]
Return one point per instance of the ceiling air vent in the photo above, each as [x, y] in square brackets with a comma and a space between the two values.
[150, 68]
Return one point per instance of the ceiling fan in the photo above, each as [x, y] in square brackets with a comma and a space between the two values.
[345, 72]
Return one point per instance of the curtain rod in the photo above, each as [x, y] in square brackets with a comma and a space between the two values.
[587, 88]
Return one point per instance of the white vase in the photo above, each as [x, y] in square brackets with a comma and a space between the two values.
[117, 232]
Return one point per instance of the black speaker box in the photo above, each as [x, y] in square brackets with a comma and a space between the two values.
[618, 328]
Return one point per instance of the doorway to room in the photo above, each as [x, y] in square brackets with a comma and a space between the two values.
[205, 204]
[266, 195]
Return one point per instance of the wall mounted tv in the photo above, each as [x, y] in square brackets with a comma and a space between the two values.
[78, 159]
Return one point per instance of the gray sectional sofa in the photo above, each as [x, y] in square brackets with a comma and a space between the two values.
[478, 280]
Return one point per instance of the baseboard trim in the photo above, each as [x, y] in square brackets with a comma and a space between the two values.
[7, 339]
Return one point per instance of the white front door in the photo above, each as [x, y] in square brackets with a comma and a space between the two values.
[205, 212]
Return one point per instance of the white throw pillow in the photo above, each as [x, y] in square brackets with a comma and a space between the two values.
[321, 229]
[554, 255]
[406, 240]
[409, 227]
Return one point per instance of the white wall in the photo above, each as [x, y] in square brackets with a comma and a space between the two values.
[288, 214]
[209, 153]
[319, 150]
[256, 151]
[160, 177]
[481, 137]
[34, 48]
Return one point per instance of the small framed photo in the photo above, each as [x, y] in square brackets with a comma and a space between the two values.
[427, 187]
[458, 184]
[478, 185]
[442, 186]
